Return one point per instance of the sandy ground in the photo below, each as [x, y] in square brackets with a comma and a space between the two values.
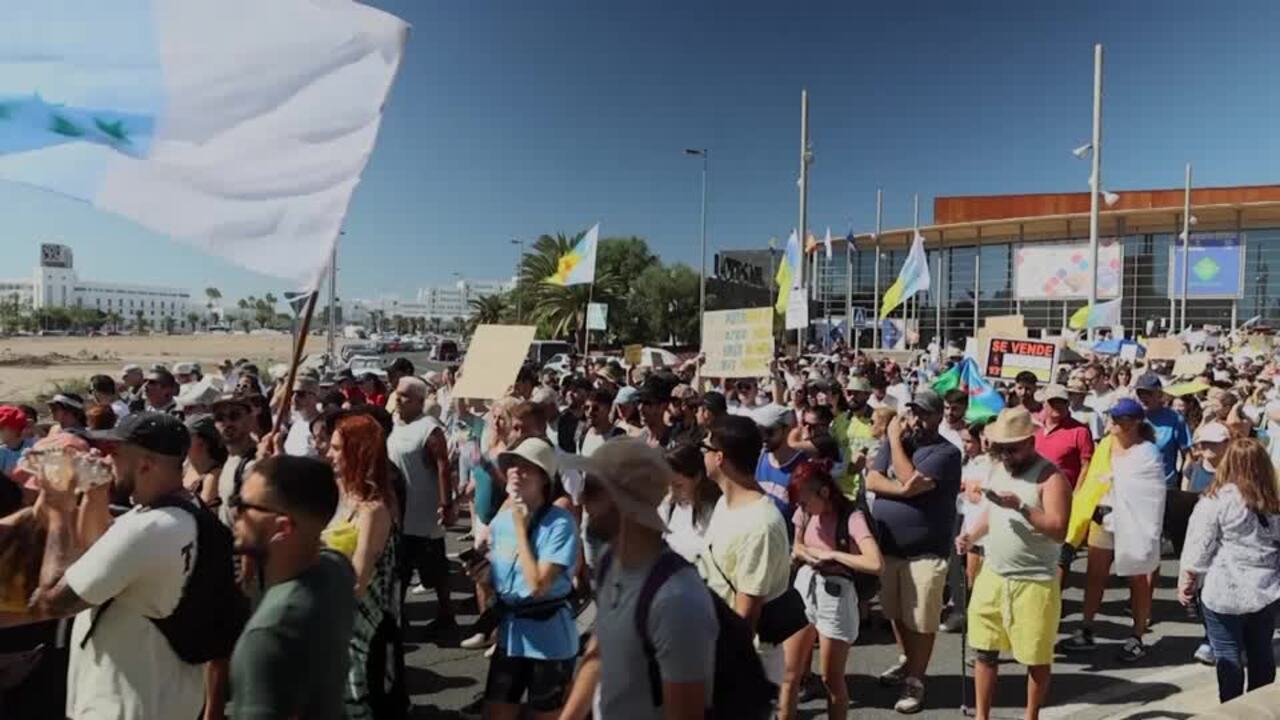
[30, 366]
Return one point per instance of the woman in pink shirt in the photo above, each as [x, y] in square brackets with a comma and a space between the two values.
[832, 541]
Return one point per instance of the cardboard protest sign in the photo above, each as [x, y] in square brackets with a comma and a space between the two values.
[1164, 348]
[493, 359]
[1191, 365]
[1006, 357]
[737, 343]
[1007, 325]
[631, 354]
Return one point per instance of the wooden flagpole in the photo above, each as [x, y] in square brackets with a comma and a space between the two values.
[286, 402]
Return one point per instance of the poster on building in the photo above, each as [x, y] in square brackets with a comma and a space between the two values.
[1216, 271]
[1060, 271]
[798, 309]
[493, 359]
[597, 314]
[737, 343]
[1006, 357]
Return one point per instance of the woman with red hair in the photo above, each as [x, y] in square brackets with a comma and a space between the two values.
[833, 541]
[363, 528]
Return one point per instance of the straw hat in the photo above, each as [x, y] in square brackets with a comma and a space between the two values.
[636, 476]
[1011, 426]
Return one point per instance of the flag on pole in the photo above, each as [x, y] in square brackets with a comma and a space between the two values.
[913, 278]
[849, 239]
[984, 401]
[237, 126]
[827, 243]
[1091, 316]
[788, 275]
[578, 266]
[810, 243]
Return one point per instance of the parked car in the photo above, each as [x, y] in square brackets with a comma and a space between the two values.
[541, 351]
[361, 364]
[560, 362]
[445, 351]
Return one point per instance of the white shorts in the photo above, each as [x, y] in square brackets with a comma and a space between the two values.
[834, 614]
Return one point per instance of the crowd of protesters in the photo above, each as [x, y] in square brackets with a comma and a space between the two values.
[724, 529]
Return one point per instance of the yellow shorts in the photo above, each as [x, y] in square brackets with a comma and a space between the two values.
[1018, 616]
[911, 592]
[1100, 538]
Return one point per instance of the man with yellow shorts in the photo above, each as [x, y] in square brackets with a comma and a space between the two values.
[1017, 598]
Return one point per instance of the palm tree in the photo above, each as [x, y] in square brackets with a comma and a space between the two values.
[487, 310]
[214, 295]
[561, 310]
[193, 319]
[142, 321]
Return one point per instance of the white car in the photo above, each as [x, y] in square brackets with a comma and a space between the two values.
[559, 362]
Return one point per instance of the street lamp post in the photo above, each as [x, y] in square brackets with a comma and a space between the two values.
[1186, 244]
[702, 267]
[519, 259]
[1095, 181]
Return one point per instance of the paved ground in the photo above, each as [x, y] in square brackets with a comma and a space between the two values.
[443, 678]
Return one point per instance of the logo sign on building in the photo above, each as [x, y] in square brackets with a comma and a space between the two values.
[1060, 271]
[1216, 270]
[1006, 357]
[798, 309]
[749, 267]
[55, 256]
[596, 316]
[737, 343]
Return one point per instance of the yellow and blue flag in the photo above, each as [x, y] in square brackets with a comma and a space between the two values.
[1091, 316]
[913, 278]
[578, 266]
[788, 275]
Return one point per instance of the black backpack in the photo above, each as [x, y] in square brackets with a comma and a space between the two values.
[212, 611]
[740, 689]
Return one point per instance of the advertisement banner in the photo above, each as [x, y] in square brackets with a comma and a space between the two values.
[1006, 357]
[1060, 271]
[737, 343]
[1216, 270]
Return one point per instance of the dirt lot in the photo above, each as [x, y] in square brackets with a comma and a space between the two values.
[30, 366]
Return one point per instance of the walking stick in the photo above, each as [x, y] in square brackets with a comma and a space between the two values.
[964, 649]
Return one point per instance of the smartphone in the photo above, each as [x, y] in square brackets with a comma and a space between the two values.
[470, 556]
[991, 495]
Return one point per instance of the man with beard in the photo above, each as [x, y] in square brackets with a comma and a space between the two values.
[625, 483]
[916, 478]
[121, 663]
[1017, 600]
[233, 416]
[291, 661]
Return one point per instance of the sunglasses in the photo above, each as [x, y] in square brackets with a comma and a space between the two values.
[1003, 450]
[707, 447]
[237, 505]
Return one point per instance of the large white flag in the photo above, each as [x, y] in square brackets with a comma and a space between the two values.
[238, 126]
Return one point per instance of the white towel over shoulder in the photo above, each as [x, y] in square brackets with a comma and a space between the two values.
[1137, 501]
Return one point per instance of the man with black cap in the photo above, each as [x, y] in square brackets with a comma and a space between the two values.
[1172, 436]
[234, 419]
[160, 389]
[916, 477]
[140, 562]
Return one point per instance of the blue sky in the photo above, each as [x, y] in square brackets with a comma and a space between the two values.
[510, 119]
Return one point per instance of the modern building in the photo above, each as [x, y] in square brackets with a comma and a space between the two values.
[447, 302]
[55, 283]
[1029, 255]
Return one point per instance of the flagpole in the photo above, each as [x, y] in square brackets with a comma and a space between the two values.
[286, 402]
[848, 290]
[1186, 244]
[875, 291]
[915, 312]
[586, 323]
[803, 235]
[1095, 181]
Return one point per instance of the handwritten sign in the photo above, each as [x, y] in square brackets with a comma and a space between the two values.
[737, 343]
[1006, 357]
[631, 354]
[1008, 325]
[1164, 348]
[1191, 365]
[492, 361]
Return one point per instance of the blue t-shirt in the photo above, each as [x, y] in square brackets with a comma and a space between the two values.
[555, 540]
[922, 525]
[9, 457]
[774, 480]
[1172, 436]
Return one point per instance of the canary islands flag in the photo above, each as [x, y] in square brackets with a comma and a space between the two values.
[578, 266]
[238, 126]
[913, 278]
[788, 275]
[1091, 316]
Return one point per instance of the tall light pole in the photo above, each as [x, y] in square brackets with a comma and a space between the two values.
[1095, 181]
[702, 267]
[519, 260]
[806, 157]
[1186, 244]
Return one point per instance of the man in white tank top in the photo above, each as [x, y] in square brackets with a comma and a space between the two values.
[1017, 598]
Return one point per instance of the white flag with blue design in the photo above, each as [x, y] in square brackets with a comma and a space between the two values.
[238, 126]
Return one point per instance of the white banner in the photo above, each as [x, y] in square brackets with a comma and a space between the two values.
[597, 313]
[798, 310]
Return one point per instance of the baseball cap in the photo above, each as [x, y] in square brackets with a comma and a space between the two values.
[626, 396]
[1213, 432]
[928, 401]
[1148, 381]
[185, 368]
[131, 367]
[67, 401]
[160, 375]
[1052, 392]
[773, 415]
[1127, 408]
[858, 383]
[13, 418]
[715, 402]
[231, 398]
[636, 476]
[159, 433]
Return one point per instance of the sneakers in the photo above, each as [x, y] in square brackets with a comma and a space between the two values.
[477, 641]
[954, 623]
[811, 688]
[418, 589]
[1080, 641]
[895, 674]
[912, 698]
[1204, 655]
[1132, 651]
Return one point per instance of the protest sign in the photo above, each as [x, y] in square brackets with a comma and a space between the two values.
[1007, 325]
[1191, 365]
[798, 310]
[492, 361]
[1129, 352]
[1006, 357]
[631, 354]
[596, 316]
[737, 343]
[1164, 348]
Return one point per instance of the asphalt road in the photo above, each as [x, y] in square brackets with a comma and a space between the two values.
[444, 678]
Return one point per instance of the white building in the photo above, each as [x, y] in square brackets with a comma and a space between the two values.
[55, 283]
[447, 302]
